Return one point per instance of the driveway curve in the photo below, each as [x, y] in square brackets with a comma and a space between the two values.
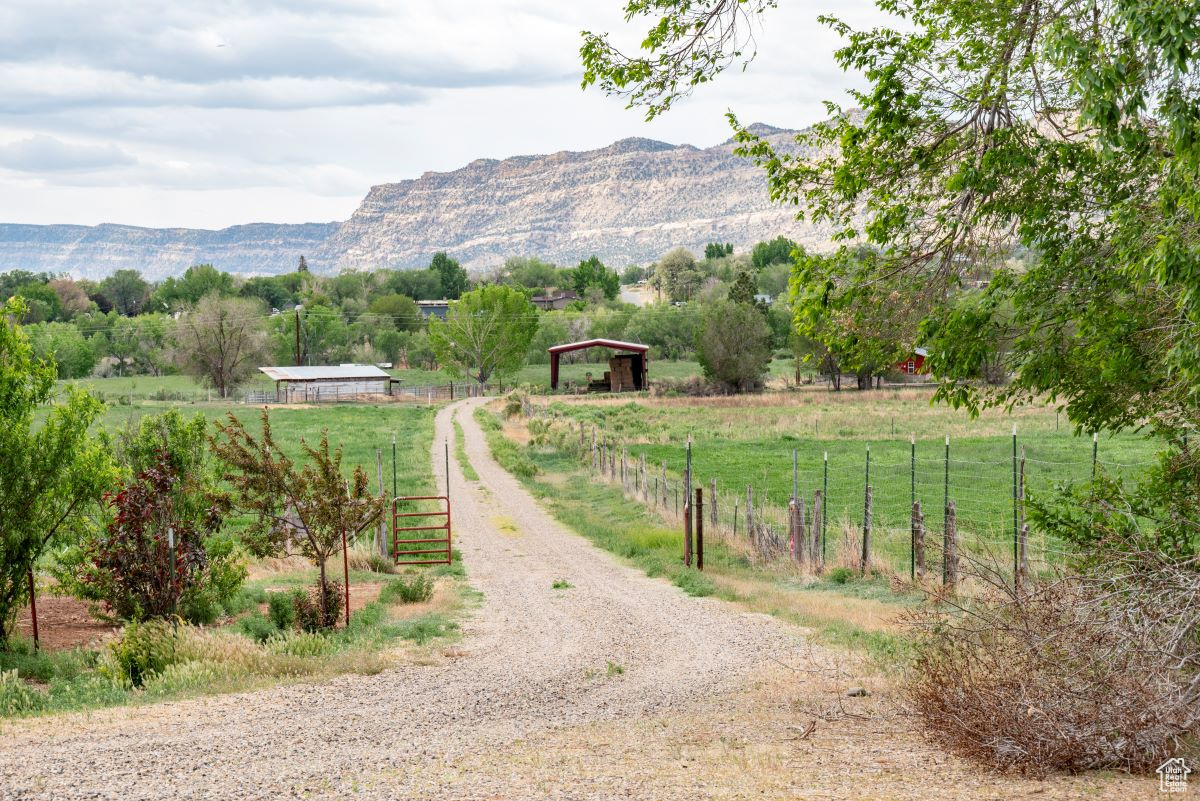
[533, 659]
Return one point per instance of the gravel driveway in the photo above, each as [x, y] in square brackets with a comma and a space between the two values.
[533, 659]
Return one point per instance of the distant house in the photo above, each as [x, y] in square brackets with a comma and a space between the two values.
[433, 308]
[914, 364]
[327, 383]
[555, 302]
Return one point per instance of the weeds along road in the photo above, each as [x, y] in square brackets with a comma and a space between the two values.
[533, 659]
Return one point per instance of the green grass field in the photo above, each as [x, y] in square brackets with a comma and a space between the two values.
[750, 442]
[358, 428]
[185, 389]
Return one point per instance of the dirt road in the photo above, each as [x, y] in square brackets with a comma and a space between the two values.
[619, 686]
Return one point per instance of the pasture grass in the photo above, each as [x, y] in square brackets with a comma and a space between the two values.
[747, 445]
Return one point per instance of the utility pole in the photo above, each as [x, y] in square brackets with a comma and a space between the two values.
[298, 308]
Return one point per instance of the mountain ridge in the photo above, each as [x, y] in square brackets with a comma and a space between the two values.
[627, 202]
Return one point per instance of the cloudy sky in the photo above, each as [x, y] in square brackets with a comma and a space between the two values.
[208, 113]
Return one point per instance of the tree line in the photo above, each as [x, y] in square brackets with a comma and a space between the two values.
[220, 327]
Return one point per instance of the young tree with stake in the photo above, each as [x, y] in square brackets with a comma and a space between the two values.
[309, 508]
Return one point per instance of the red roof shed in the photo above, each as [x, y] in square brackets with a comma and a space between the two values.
[628, 347]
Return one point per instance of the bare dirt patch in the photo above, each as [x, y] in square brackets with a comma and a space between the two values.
[64, 623]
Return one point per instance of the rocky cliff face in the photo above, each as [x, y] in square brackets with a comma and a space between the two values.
[628, 203]
[96, 251]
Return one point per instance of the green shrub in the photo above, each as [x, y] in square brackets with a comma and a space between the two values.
[142, 650]
[311, 616]
[694, 583]
[281, 608]
[416, 589]
[299, 643]
[187, 677]
[561, 584]
[16, 696]
[44, 666]
[378, 563]
[841, 575]
[257, 627]
[425, 628]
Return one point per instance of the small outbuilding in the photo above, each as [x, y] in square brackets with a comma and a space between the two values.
[914, 364]
[327, 383]
[627, 370]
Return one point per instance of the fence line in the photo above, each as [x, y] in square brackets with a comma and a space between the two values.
[429, 393]
[903, 516]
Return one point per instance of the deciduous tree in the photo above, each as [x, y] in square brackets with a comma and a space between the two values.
[51, 469]
[306, 508]
[453, 277]
[485, 333]
[221, 341]
[734, 345]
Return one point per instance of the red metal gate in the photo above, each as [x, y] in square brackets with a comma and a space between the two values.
[438, 552]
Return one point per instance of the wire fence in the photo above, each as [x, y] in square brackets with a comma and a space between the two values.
[920, 509]
[317, 394]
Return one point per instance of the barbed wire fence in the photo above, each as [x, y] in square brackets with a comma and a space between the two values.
[919, 518]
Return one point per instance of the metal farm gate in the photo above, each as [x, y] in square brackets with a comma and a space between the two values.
[429, 549]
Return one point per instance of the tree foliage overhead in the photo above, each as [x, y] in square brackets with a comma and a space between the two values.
[1068, 128]
[50, 471]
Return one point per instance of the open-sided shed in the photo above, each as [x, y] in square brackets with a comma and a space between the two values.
[627, 370]
[333, 382]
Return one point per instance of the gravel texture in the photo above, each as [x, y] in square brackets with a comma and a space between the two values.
[533, 659]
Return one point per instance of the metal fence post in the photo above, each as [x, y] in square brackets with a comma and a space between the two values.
[912, 499]
[866, 537]
[700, 529]
[1015, 500]
[825, 496]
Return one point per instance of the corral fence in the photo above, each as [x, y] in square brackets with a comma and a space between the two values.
[336, 394]
[916, 515]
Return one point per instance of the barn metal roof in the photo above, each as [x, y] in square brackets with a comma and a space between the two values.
[343, 371]
[599, 343]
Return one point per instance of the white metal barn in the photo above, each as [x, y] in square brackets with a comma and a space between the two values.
[327, 384]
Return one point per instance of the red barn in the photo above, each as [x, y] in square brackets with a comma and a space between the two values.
[914, 364]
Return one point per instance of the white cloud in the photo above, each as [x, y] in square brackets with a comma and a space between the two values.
[226, 111]
[42, 153]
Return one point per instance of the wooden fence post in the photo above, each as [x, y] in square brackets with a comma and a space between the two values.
[918, 541]
[801, 528]
[687, 532]
[712, 503]
[699, 529]
[750, 515]
[950, 549]
[818, 558]
[794, 530]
